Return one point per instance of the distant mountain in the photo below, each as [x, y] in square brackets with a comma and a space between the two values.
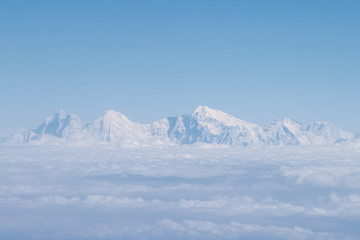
[285, 132]
[290, 132]
[61, 125]
[114, 126]
[204, 125]
[213, 126]
[324, 132]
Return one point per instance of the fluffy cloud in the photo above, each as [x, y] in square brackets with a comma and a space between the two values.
[186, 192]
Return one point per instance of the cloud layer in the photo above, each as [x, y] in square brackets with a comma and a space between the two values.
[179, 192]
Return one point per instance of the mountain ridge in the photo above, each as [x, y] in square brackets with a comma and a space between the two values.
[204, 125]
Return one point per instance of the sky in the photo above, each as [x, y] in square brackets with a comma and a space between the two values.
[256, 60]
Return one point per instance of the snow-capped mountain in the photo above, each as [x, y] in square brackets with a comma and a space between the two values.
[61, 125]
[324, 132]
[285, 132]
[290, 132]
[213, 126]
[204, 125]
[113, 126]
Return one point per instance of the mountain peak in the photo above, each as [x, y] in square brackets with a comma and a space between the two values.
[114, 115]
[60, 125]
[111, 112]
[204, 111]
[288, 120]
[285, 122]
[203, 125]
[114, 126]
[61, 113]
[202, 108]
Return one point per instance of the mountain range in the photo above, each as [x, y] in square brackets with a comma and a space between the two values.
[204, 125]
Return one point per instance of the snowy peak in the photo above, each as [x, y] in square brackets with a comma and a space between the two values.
[203, 113]
[61, 125]
[212, 126]
[290, 132]
[286, 124]
[320, 131]
[112, 114]
[114, 126]
[60, 115]
[285, 132]
[114, 120]
[204, 125]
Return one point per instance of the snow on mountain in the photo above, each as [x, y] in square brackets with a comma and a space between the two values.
[204, 125]
[213, 126]
[285, 132]
[61, 125]
[290, 132]
[160, 128]
[113, 126]
[324, 132]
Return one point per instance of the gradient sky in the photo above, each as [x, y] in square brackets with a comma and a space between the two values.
[257, 60]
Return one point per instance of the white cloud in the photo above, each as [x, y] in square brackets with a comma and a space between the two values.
[198, 192]
[237, 229]
[111, 200]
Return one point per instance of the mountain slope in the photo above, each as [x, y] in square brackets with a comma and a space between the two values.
[61, 125]
[213, 126]
[285, 132]
[324, 132]
[204, 125]
[114, 126]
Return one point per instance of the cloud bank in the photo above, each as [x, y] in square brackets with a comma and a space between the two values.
[179, 192]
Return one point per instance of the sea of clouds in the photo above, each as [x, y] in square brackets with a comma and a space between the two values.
[180, 192]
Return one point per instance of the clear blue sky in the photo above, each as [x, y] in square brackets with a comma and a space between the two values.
[257, 60]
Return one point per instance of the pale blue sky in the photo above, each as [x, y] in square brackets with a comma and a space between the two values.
[257, 60]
